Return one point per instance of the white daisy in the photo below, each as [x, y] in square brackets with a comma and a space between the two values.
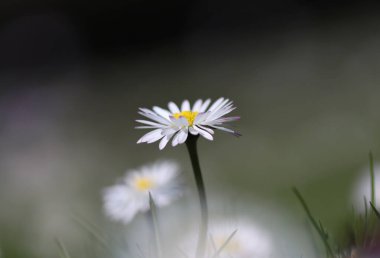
[362, 188]
[176, 123]
[123, 200]
[247, 241]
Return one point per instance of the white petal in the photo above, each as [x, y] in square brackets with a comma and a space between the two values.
[150, 123]
[216, 104]
[209, 130]
[179, 138]
[155, 138]
[128, 214]
[175, 140]
[164, 141]
[204, 133]
[170, 130]
[219, 111]
[227, 130]
[146, 127]
[226, 119]
[201, 117]
[183, 136]
[197, 105]
[193, 131]
[205, 105]
[173, 108]
[162, 112]
[118, 203]
[155, 117]
[225, 104]
[185, 105]
[152, 136]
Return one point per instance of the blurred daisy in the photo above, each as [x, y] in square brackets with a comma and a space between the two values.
[176, 123]
[125, 199]
[248, 241]
[362, 188]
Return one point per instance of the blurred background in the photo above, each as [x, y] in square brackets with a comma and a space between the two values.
[304, 76]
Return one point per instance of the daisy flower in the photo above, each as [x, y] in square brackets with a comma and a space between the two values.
[125, 199]
[176, 123]
[248, 241]
[362, 188]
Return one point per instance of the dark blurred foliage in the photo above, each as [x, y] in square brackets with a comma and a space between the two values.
[112, 28]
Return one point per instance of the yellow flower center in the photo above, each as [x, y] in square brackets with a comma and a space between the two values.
[143, 184]
[189, 115]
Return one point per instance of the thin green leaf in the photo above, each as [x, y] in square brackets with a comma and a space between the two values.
[317, 227]
[63, 251]
[372, 173]
[92, 230]
[153, 212]
[213, 245]
[323, 230]
[224, 244]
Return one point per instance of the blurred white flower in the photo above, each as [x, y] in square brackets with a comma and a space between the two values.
[177, 123]
[123, 200]
[249, 241]
[362, 188]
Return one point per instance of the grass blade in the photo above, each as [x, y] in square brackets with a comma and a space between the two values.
[372, 173]
[153, 212]
[321, 231]
[224, 244]
[63, 251]
[92, 230]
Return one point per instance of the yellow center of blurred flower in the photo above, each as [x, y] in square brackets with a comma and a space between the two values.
[189, 115]
[232, 247]
[143, 184]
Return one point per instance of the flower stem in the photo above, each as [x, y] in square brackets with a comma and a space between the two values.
[154, 222]
[192, 148]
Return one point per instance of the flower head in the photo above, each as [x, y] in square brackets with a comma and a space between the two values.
[177, 123]
[243, 240]
[123, 200]
[248, 241]
[362, 190]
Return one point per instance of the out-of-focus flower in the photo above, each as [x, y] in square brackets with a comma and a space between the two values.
[365, 243]
[176, 123]
[123, 200]
[249, 241]
[362, 188]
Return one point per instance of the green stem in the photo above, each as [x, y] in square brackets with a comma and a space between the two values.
[192, 148]
[372, 173]
[154, 224]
